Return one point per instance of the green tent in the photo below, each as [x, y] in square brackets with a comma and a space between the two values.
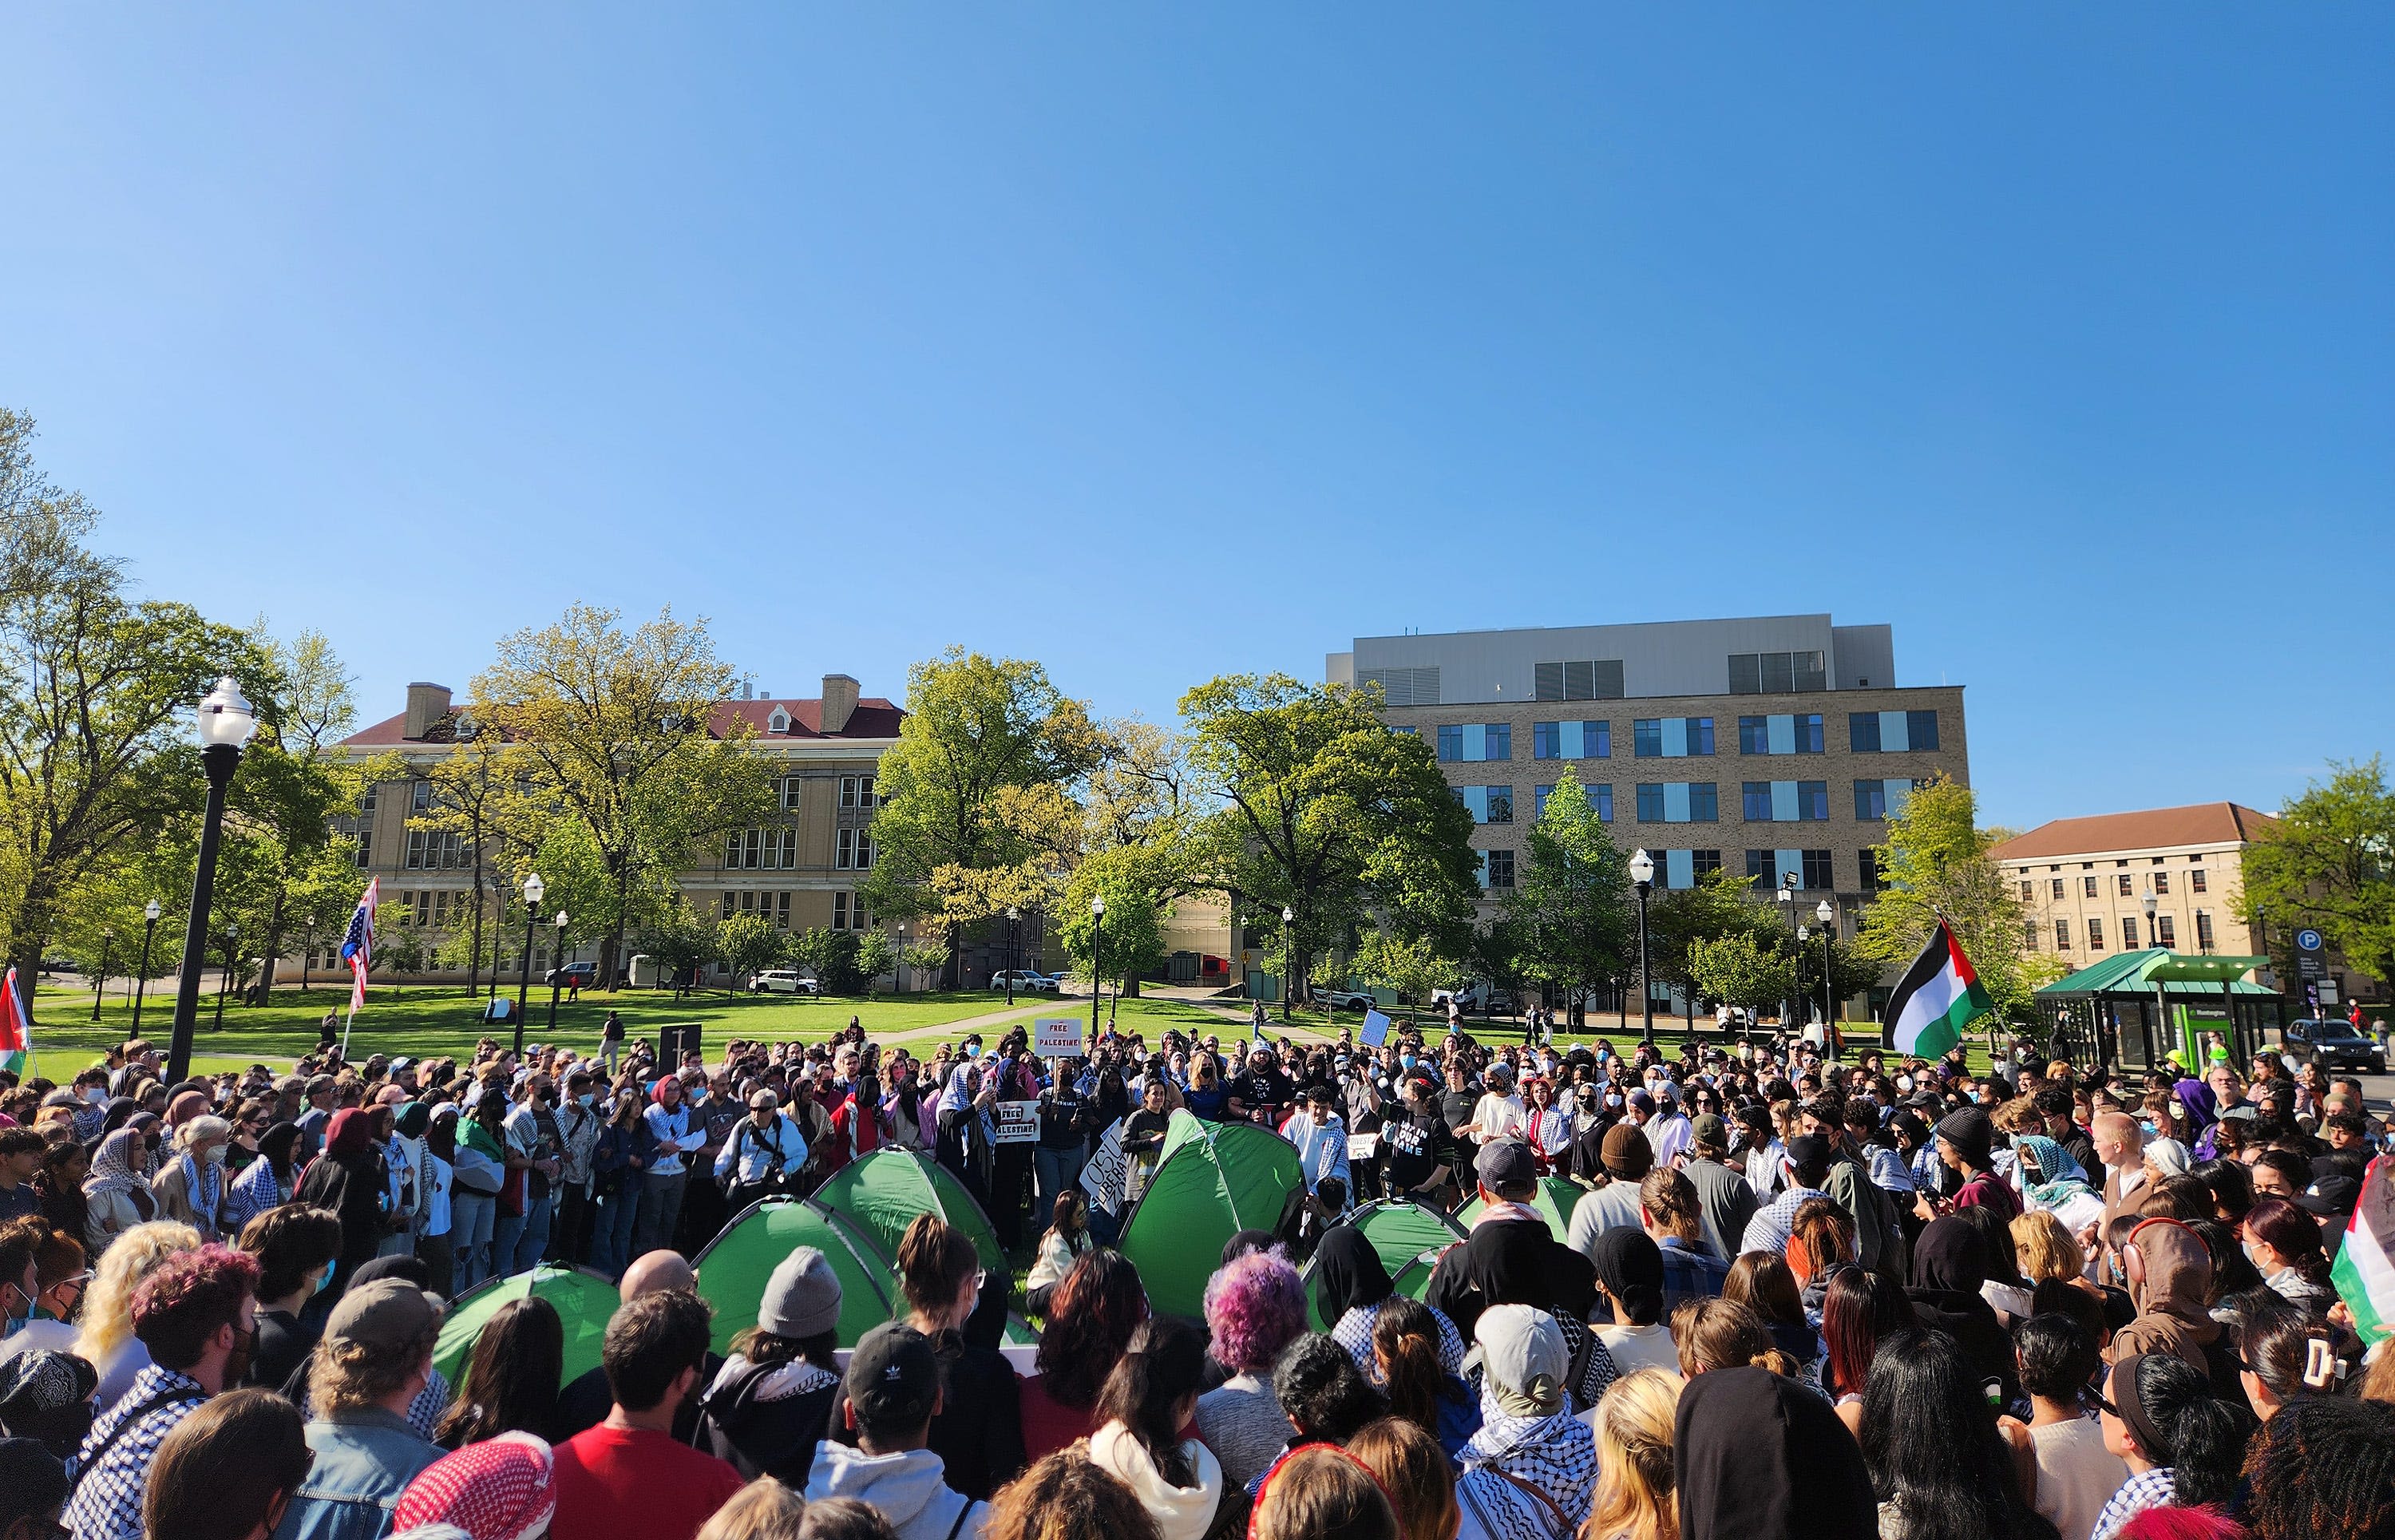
[583, 1300]
[1554, 1199]
[1399, 1232]
[1213, 1180]
[884, 1190]
[734, 1268]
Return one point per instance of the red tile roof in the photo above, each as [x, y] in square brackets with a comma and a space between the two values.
[2223, 823]
[873, 718]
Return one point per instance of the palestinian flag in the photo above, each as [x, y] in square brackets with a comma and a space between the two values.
[2365, 1273]
[16, 1026]
[1936, 999]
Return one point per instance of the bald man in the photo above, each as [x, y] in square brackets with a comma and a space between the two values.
[587, 1401]
[2121, 1145]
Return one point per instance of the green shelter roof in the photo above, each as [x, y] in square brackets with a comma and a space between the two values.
[2176, 973]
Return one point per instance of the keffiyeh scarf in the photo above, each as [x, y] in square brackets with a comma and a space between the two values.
[1555, 1455]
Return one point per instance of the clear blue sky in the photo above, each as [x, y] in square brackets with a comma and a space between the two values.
[1156, 342]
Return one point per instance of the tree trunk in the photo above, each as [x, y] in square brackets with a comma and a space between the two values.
[30, 935]
[275, 918]
[474, 941]
[952, 975]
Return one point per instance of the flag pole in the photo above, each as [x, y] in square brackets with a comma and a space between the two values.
[347, 1022]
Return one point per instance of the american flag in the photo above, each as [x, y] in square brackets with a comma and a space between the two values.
[357, 943]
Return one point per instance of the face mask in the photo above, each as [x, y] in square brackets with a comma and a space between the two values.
[95, 1096]
[587, 1099]
[330, 1269]
[2249, 1248]
[215, 1155]
[243, 1348]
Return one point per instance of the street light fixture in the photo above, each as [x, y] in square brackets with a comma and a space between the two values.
[2148, 903]
[1013, 949]
[142, 985]
[1097, 972]
[1828, 916]
[1642, 877]
[107, 945]
[555, 973]
[226, 725]
[533, 889]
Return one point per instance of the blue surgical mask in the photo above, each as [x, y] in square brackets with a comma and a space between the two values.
[330, 1269]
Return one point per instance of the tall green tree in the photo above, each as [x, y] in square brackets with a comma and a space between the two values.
[1679, 919]
[977, 796]
[95, 758]
[2330, 862]
[1572, 904]
[1741, 970]
[615, 729]
[1327, 811]
[1131, 939]
[1937, 862]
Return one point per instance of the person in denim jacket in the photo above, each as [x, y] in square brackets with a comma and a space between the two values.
[375, 1356]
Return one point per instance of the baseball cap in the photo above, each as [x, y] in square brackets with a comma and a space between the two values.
[762, 1098]
[1503, 1164]
[2329, 1195]
[390, 1314]
[1708, 1129]
[1523, 1358]
[1807, 1150]
[893, 1379]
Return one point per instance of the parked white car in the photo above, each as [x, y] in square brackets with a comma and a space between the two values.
[1346, 1000]
[783, 981]
[1025, 981]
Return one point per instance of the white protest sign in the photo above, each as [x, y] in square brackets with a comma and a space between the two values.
[1360, 1147]
[1056, 1037]
[1018, 1122]
[1102, 1178]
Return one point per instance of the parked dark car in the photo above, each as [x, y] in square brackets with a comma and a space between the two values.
[578, 975]
[2335, 1045]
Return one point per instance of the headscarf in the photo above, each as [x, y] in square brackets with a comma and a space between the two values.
[348, 1135]
[1762, 1457]
[185, 1106]
[1630, 1267]
[2169, 1156]
[504, 1487]
[119, 1111]
[413, 1119]
[2059, 1173]
[117, 1169]
[440, 1135]
[146, 1124]
[275, 1148]
[1348, 1274]
[1950, 1256]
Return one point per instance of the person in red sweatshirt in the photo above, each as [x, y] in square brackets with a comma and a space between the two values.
[629, 1479]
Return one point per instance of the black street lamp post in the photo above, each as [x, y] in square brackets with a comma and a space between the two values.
[1013, 949]
[1097, 967]
[1642, 877]
[1288, 985]
[555, 973]
[533, 889]
[107, 948]
[1828, 916]
[142, 984]
[1796, 933]
[226, 724]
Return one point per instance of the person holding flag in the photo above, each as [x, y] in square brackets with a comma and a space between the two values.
[357, 951]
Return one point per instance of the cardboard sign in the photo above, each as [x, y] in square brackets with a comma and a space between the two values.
[1017, 1122]
[1376, 1030]
[1102, 1178]
[1057, 1037]
[1361, 1147]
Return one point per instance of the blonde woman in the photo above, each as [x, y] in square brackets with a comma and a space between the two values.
[1635, 1499]
[107, 1341]
[2047, 1250]
[190, 1186]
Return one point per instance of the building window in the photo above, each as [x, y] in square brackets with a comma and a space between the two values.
[2126, 891]
[1671, 737]
[2195, 883]
[1777, 673]
[2094, 933]
[1599, 679]
[366, 849]
[2165, 934]
[2204, 929]
[790, 793]
[2128, 933]
[2162, 883]
[2055, 886]
[2087, 886]
[2062, 935]
[1472, 743]
[1780, 735]
[1489, 804]
[1496, 869]
[853, 850]
[1679, 802]
[1786, 802]
[2025, 890]
[366, 801]
[1819, 875]
[1571, 740]
[2029, 934]
[419, 797]
[857, 790]
[840, 911]
[1703, 861]
[1891, 732]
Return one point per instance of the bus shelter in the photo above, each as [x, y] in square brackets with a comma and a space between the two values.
[2130, 1010]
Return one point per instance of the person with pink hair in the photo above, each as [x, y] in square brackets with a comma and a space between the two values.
[1255, 1306]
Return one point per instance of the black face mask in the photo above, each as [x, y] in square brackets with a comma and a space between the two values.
[244, 1349]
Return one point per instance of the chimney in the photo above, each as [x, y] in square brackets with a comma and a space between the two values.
[427, 704]
[839, 702]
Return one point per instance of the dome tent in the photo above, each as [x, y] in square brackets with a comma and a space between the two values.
[583, 1299]
[1555, 1198]
[882, 1192]
[733, 1268]
[1212, 1181]
[1401, 1233]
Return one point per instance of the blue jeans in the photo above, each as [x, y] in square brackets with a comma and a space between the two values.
[518, 1239]
[471, 1217]
[610, 1235]
[1056, 1169]
[660, 1210]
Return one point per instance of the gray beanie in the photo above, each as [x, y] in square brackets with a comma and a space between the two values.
[802, 1297]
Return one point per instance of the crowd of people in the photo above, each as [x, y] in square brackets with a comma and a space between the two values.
[1745, 1292]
